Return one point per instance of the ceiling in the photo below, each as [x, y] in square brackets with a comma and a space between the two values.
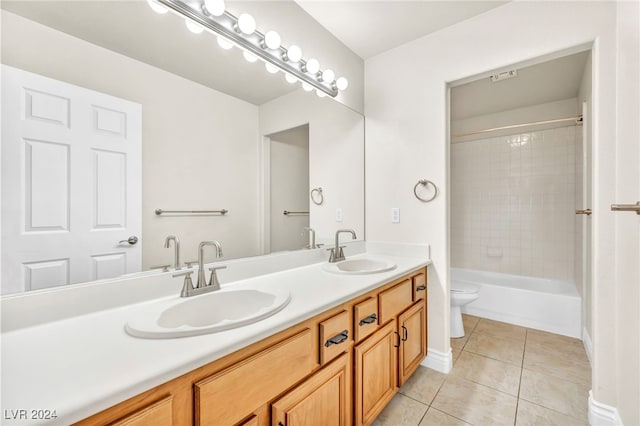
[372, 27]
[537, 84]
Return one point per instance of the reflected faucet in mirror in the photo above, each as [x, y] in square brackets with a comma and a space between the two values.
[176, 246]
[337, 254]
[312, 237]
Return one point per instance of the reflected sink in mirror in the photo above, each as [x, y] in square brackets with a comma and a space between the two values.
[360, 266]
[208, 313]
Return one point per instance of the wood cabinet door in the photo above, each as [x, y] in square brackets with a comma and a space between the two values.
[376, 361]
[412, 326]
[323, 399]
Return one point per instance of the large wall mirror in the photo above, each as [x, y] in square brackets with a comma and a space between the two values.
[214, 132]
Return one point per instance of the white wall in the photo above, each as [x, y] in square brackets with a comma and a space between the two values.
[513, 203]
[407, 139]
[336, 152]
[194, 138]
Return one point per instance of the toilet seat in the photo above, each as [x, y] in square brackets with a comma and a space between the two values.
[464, 287]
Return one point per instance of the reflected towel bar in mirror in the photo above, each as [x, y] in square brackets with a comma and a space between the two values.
[220, 212]
[288, 213]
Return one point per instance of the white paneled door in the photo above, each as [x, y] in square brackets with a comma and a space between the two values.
[71, 183]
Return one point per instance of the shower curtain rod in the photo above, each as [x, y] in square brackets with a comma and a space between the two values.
[577, 119]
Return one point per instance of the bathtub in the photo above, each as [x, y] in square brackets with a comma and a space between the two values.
[539, 303]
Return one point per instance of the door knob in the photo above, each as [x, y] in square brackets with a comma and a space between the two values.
[131, 240]
[626, 207]
[585, 211]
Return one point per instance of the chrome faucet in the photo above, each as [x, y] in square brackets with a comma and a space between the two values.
[202, 286]
[176, 244]
[312, 237]
[337, 254]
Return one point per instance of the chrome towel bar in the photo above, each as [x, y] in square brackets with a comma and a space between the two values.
[288, 213]
[220, 212]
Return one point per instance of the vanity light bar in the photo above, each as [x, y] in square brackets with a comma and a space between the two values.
[225, 26]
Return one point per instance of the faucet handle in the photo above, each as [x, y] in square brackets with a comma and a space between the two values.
[190, 263]
[187, 286]
[165, 268]
[213, 280]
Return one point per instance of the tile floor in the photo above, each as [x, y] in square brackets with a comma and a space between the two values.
[502, 375]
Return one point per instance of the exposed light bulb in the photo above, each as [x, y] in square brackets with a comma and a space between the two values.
[313, 66]
[157, 7]
[272, 40]
[294, 53]
[320, 93]
[214, 7]
[271, 68]
[290, 78]
[328, 75]
[307, 87]
[225, 44]
[250, 57]
[246, 23]
[193, 27]
[342, 83]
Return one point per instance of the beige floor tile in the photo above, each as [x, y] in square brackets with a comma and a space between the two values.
[542, 337]
[535, 415]
[554, 393]
[559, 362]
[460, 342]
[562, 346]
[469, 322]
[455, 354]
[489, 372]
[401, 411]
[506, 350]
[474, 403]
[423, 385]
[501, 329]
[438, 418]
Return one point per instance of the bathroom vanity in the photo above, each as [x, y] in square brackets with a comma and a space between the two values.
[337, 354]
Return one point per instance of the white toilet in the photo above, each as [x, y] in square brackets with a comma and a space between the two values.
[461, 293]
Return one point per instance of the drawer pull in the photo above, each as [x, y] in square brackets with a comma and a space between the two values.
[337, 339]
[406, 333]
[421, 288]
[368, 320]
[399, 340]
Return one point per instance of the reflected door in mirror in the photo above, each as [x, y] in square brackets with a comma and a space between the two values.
[70, 183]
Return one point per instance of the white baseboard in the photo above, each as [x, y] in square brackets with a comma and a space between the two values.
[601, 414]
[588, 346]
[439, 361]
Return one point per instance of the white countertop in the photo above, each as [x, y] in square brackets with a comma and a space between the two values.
[85, 363]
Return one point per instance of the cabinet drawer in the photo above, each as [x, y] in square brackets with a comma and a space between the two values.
[419, 287]
[395, 300]
[365, 318]
[230, 395]
[335, 336]
[159, 413]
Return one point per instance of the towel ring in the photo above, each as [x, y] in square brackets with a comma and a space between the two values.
[425, 182]
[318, 198]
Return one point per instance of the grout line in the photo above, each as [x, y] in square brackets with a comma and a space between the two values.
[515, 420]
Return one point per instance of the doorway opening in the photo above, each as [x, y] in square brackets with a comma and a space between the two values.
[286, 187]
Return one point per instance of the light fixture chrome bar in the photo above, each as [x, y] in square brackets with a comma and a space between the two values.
[225, 25]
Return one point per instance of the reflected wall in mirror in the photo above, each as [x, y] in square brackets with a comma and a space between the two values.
[202, 148]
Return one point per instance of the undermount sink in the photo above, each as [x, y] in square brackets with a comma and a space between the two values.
[208, 313]
[360, 266]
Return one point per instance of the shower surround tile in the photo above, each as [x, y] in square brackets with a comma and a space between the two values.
[515, 192]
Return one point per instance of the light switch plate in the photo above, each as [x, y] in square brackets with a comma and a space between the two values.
[395, 215]
[338, 215]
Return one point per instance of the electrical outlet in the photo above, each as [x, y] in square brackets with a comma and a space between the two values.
[395, 215]
[338, 215]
